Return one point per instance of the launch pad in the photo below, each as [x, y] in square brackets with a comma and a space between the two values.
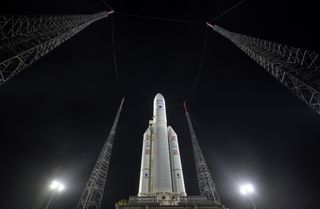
[186, 202]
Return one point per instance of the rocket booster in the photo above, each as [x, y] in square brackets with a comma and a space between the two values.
[161, 170]
[176, 167]
[145, 163]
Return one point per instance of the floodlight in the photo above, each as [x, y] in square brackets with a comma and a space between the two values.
[246, 189]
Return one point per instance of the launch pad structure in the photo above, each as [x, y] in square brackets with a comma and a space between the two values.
[161, 182]
[188, 202]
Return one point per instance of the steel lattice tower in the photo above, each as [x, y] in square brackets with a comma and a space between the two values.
[24, 39]
[92, 195]
[206, 184]
[297, 69]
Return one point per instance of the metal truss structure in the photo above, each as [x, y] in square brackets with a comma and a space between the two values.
[92, 195]
[297, 69]
[205, 181]
[24, 39]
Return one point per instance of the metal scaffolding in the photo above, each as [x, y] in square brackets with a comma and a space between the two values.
[92, 195]
[205, 181]
[297, 69]
[24, 39]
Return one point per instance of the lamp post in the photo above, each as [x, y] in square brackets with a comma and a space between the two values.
[55, 186]
[248, 190]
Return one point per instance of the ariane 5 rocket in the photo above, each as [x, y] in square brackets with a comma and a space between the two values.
[161, 170]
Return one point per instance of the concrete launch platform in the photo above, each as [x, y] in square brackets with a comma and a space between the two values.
[188, 202]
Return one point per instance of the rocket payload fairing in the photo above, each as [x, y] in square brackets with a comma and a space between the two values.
[161, 170]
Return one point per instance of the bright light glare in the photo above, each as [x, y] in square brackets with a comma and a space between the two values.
[56, 185]
[246, 189]
[61, 188]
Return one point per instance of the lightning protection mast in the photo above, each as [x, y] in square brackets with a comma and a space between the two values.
[297, 69]
[24, 39]
[206, 184]
[92, 195]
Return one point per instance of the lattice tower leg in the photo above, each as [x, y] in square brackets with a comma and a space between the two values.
[24, 39]
[206, 184]
[92, 195]
[297, 69]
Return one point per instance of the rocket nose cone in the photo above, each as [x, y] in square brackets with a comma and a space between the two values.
[159, 96]
[158, 103]
[159, 108]
[158, 99]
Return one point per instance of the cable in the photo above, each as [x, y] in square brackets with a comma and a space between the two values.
[117, 71]
[118, 76]
[116, 68]
[159, 18]
[170, 20]
[137, 104]
[175, 105]
[107, 5]
[200, 64]
[115, 56]
[228, 10]
[150, 106]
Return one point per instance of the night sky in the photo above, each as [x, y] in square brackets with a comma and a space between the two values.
[55, 115]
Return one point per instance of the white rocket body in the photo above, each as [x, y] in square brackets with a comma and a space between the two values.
[161, 170]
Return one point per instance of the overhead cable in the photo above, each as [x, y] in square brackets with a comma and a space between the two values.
[200, 64]
[115, 56]
[160, 18]
[227, 11]
[108, 5]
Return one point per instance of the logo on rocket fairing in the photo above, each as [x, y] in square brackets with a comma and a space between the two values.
[160, 103]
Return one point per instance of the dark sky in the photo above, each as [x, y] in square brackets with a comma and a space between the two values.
[56, 114]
